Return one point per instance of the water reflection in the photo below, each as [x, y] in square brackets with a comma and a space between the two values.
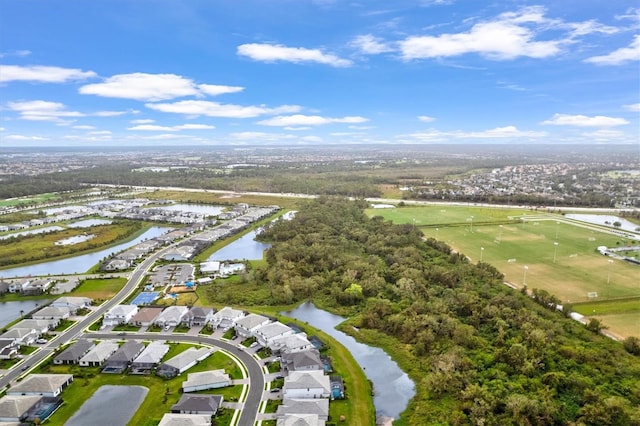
[392, 387]
[10, 311]
[244, 248]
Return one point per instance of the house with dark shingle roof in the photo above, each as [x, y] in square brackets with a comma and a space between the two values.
[319, 407]
[73, 353]
[124, 356]
[304, 360]
[198, 316]
[198, 404]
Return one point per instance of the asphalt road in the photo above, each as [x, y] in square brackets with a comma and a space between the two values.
[254, 369]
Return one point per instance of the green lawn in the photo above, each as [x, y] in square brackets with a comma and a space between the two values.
[524, 252]
[99, 289]
[608, 307]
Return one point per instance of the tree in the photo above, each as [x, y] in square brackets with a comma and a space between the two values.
[595, 325]
[632, 345]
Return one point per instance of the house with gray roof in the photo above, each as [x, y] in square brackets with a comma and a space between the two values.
[319, 407]
[13, 408]
[40, 326]
[176, 419]
[211, 379]
[98, 355]
[300, 420]
[198, 404]
[145, 316]
[73, 353]
[171, 316]
[198, 316]
[303, 360]
[149, 358]
[52, 312]
[306, 384]
[22, 336]
[266, 334]
[183, 361]
[123, 357]
[50, 385]
[73, 303]
[226, 317]
[293, 343]
[250, 323]
[8, 348]
[119, 314]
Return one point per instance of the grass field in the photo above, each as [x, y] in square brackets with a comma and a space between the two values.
[525, 252]
[99, 289]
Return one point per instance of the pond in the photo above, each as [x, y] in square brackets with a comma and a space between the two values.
[10, 311]
[109, 406]
[244, 248]
[392, 387]
[194, 208]
[33, 231]
[89, 223]
[605, 220]
[78, 264]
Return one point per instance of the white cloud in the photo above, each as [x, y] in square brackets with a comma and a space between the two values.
[508, 36]
[155, 128]
[632, 107]
[297, 128]
[19, 53]
[83, 127]
[370, 44]
[606, 135]
[143, 121]
[619, 56]
[215, 109]
[24, 138]
[42, 74]
[308, 120]
[42, 111]
[215, 89]
[426, 118]
[585, 121]
[110, 113]
[142, 87]
[100, 133]
[275, 52]
[590, 27]
[507, 132]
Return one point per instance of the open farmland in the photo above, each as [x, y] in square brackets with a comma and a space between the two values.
[524, 251]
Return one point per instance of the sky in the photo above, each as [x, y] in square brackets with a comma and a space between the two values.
[314, 72]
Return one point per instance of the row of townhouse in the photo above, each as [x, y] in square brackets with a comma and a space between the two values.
[171, 316]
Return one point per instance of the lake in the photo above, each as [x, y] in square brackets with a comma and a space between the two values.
[78, 264]
[194, 208]
[244, 248]
[10, 311]
[110, 405]
[392, 387]
[605, 220]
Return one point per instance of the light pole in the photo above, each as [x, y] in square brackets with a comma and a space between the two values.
[500, 235]
[555, 251]
[481, 252]
[557, 226]
[437, 229]
[524, 275]
[471, 224]
[609, 272]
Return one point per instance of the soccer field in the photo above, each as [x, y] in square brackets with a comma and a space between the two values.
[527, 254]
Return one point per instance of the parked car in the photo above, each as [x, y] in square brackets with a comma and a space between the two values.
[41, 341]
[274, 390]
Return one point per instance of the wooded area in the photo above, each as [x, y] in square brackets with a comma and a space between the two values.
[478, 351]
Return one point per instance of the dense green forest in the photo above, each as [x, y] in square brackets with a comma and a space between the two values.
[478, 351]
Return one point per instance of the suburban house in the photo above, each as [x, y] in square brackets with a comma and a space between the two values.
[73, 353]
[266, 334]
[51, 313]
[8, 348]
[319, 407]
[173, 419]
[36, 287]
[293, 343]
[183, 252]
[171, 316]
[300, 420]
[226, 317]
[183, 361]
[149, 358]
[16, 286]
[50, 385]
[306, 384]
[198, 316]
[123, 357]
[21, 336]
[73, 303]
[211, 379]
[99, 354]
[119, 314]
[197, 404]
[247, 325]
[303, 360]
[40, 326]
[145, 316]
[14, 408]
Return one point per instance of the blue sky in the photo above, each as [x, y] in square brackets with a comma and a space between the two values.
[296, 72]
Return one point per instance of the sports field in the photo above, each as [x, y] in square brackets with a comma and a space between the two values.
[526, 253]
